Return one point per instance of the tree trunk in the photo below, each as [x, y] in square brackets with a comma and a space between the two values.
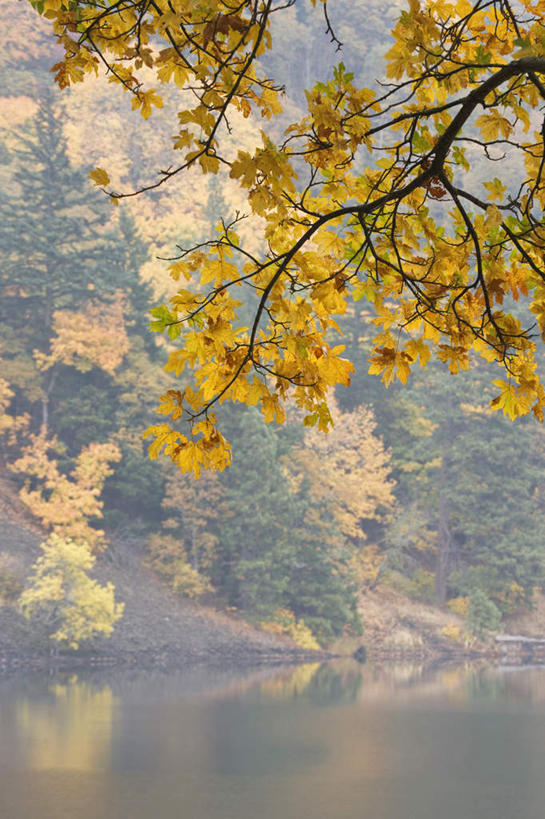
[444, 534]
[45, 400]
[443, 550]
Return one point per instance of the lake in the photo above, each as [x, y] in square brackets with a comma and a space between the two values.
[336, 741]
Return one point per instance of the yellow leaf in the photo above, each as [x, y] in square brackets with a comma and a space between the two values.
[100, 177]
[417, 348]
[496, 189]
[493, 218]
[493, 125]
[144, 100]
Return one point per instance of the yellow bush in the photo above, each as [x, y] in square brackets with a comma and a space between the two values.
[453, 632]
[64, 599]
[459, 605]
[285, 622]
[168, 558]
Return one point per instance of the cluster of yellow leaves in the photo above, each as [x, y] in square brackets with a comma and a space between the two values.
[65, 503]
[61, 596]
[209, 451]
[210, 45]
[232, 363]
[95, 337]
[459, 605]
[453, 631]
[437, 261]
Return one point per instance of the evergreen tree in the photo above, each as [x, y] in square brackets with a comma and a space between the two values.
[59, 250]
[254, 558]
[322, 589]
[66, 253]
[277, 545]
[479, 493]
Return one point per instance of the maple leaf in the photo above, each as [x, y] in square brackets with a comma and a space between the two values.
[496, 189]
[100, 177]
[493, 125]
[144, 100]
[244, 168]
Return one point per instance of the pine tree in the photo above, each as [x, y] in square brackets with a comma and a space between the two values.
[480, 495]
[58, 247]
[252, 569]
[67, 255]
[59, 251]
[322, 589]
[279, 548]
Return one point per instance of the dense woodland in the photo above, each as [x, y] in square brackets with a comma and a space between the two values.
[421, 487]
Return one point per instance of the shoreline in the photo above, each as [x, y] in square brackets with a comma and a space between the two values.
[253, 657]
[42, 661]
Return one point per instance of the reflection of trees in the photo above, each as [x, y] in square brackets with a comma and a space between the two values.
[525, 685]
[71, 729]
[342, 682]
[289, 684]
[322, 684]
[332, 686]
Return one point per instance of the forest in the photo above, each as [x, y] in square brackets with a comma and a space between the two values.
[423, 486]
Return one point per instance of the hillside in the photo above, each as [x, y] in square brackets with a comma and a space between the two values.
[157, 627]
[161, 628]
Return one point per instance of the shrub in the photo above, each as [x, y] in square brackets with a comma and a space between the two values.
[63, 599]
[168, 558]
[459, 605]
[453, 632]
[483, 614]
[285, 622]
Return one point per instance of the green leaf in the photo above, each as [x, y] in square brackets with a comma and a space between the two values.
[483, 57]
[174, 331]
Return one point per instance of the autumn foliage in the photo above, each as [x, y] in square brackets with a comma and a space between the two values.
[66, 603]
[66, 503]
[366, 196]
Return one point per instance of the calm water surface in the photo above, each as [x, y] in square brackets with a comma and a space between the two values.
[336, 741]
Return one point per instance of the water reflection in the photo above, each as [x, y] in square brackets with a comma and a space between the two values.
[68, 726]
[340, 740]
